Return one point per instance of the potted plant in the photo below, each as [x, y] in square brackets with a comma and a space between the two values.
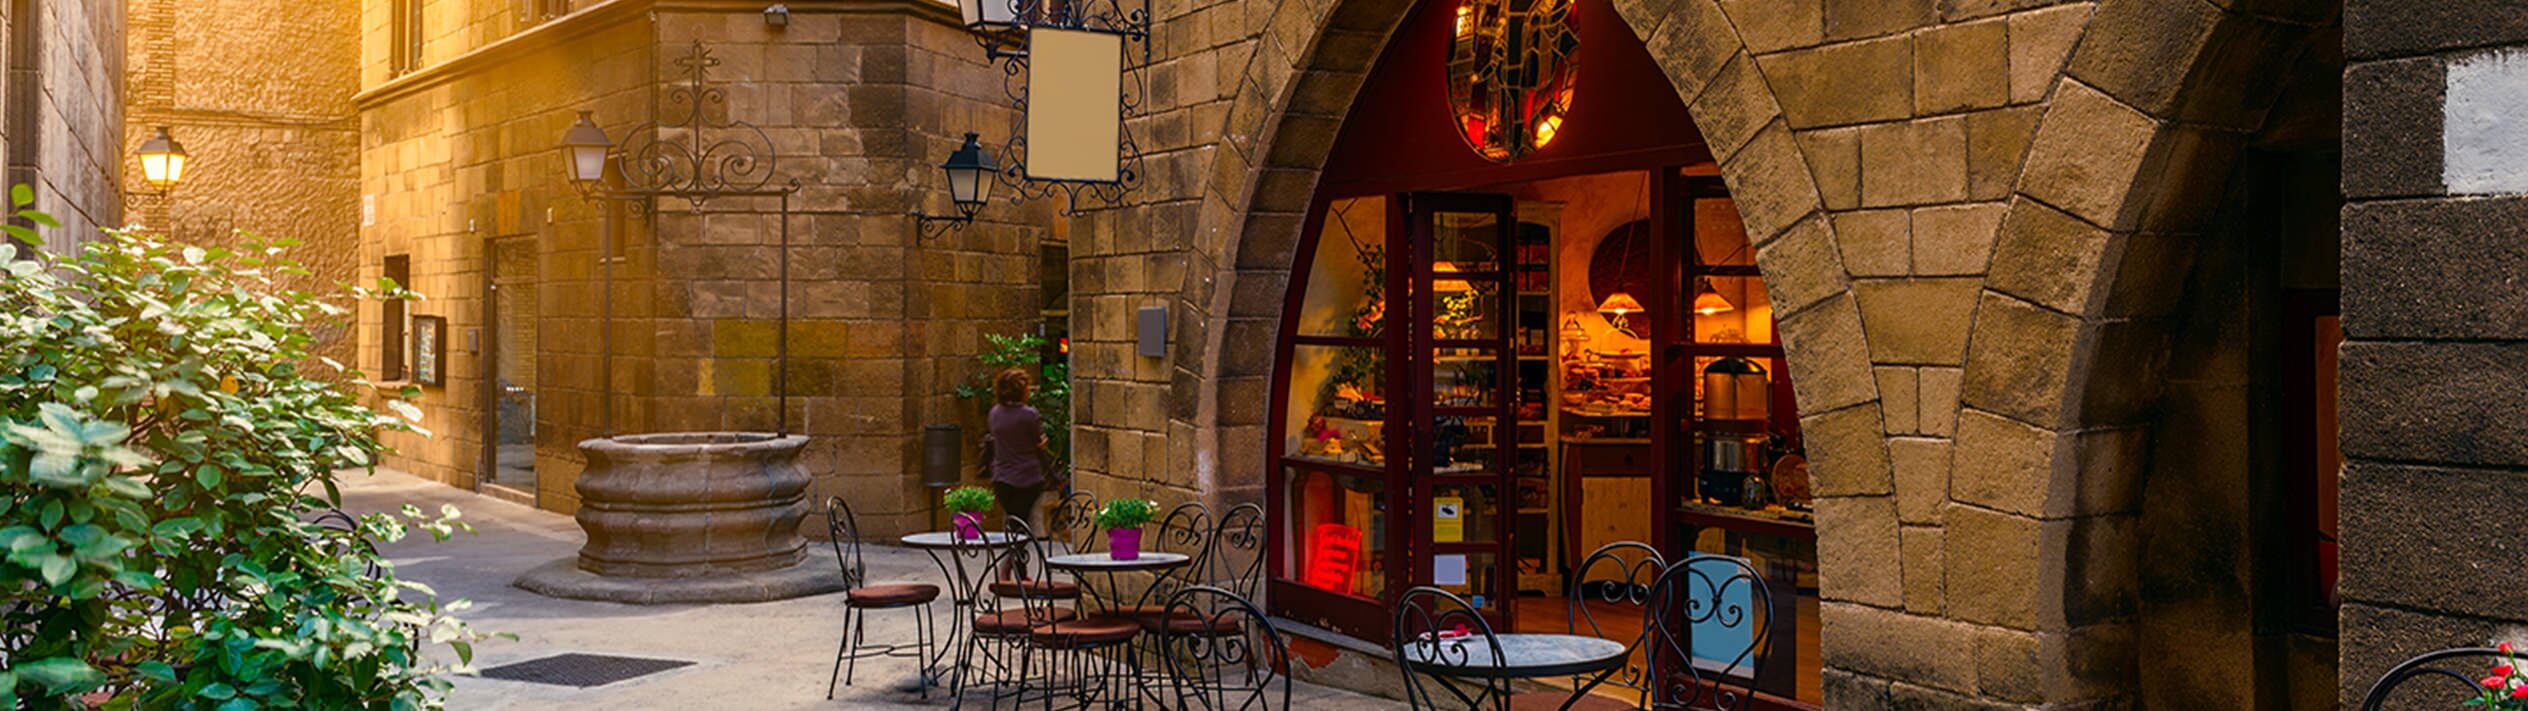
[1123, 519]
[969, 503]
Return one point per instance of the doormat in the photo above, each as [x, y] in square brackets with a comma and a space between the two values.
[581, 670]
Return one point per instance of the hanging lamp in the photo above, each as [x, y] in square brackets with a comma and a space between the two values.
[1708, 301]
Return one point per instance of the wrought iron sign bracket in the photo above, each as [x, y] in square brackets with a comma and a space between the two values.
[1006, 44]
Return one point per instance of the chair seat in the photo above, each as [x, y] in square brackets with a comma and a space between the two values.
[1155, 619]
[1552, 700]
[892, 595]
[1037, 589]
[1084, 633]
[1017, 622]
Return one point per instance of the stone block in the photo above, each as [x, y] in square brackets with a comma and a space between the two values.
[2392, 127]
[1896, 390]
[1847, 454]
[1687, 46]
[1917, 321]
[1937, 391]
[1924, 569]
[1802, 267]
[2088, 154]
[2143, 51]
[1922, 478]
[1911, 697]
[2384, 28]
[1775, 25]
[1733, 106]
[1875, 243]
[1854, 19]
[1996, 146]
[1904, 645]
[2010, 466]
[2402, 260]
[2005, 570]
[1834, 157]
[2410, 530]
[1955, 240]
[1828, 356]
[2453, 403]
[2021, 362]
[1843, 84]
[2378, 637]
[1858, 554]
[1846, 690]
[2039, 43]
[2051, 258]
[1962, 67]
[1772, 185]
[1914, 162]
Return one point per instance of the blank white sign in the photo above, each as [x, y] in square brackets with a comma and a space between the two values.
[1075, 82]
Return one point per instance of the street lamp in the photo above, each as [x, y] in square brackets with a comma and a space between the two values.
[584, 148]
[970, 175]
[989, 14]
[162, 161]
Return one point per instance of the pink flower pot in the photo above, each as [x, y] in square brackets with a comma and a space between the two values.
[1124, 543]
[969, 527]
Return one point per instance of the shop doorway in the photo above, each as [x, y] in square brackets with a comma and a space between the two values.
[510, 377]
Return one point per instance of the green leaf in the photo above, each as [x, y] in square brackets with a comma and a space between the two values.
[61, 675]
[158, 671]
[217, 690]
[21, 195]
[56, 567]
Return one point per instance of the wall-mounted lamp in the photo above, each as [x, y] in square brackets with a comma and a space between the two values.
[777, 16]
[584, 149]
[162, 161]
[970, 175]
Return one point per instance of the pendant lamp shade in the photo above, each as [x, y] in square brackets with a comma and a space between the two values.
[1620, 304]
[1708, 301]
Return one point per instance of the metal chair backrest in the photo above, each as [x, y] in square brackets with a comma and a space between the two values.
[1232, 661]
[1237, 550]
[1616, 580]
[1700, 610]
[1072, 523]
[843, 532]
[998, 563]
[1185, 530]
[2463, 681]
[1436, 627]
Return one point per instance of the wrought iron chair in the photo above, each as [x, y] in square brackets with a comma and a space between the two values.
[1436, 626]
[1077, 646]
[1185, 530]
[1237, 551]
[1221, 654]
[997, 642]
[860, 597]
[1616, 579]
[1072, 524]
[2463, 681]
[1711, 596]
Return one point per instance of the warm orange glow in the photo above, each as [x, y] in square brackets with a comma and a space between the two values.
[1620, 304]
[1710, 302]
[1464, 11]
[1545, 130]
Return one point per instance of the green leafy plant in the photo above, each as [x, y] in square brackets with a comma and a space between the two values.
[1120, 514]
[968, 499]
[162, 460]
[1052, 398]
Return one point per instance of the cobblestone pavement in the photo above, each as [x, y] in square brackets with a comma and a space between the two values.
[758, 656]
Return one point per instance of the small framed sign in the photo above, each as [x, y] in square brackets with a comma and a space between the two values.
[430, 350]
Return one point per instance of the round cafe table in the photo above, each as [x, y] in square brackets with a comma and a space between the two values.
[1523, 656]
[950, 555]
[1103, 568]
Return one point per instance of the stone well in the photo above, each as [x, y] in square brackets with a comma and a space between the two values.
[690, 517]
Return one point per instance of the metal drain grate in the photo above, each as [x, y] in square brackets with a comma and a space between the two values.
[581, 670]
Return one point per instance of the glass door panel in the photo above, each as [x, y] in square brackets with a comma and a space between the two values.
[1347, 277]
[1466, 424]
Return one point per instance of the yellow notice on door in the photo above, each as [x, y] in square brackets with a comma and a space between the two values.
[1448, 519]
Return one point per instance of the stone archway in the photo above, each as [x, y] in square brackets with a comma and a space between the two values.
[1965, 275]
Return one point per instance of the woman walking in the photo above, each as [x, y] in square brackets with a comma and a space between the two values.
[1015, 446]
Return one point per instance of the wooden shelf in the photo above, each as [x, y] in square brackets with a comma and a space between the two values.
[1607, 440]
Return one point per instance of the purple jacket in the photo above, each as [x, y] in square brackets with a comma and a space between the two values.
[1017, 434]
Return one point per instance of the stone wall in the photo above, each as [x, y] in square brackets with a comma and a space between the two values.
[1975, 218]
[62, 128]
[861, 99]
[259, 94]
[2435, 362]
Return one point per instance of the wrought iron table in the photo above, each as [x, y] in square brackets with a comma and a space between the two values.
[1103, 567]
[1522, 656]
[946, 551]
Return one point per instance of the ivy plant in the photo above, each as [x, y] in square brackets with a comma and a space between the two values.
[166, 456]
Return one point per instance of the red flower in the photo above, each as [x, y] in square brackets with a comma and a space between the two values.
[2505, 647]
[2501, 670]
[2491, 682]
[2519, 692]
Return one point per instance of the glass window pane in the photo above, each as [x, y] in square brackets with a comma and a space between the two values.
[1465, 446]
[1732, 310]
[1466, 309]
[1340, 525]
[1465, 377]
[1789, 568]
[1472, 576]
[1347, 275]
[1466, 242]
[1337, 404]
[1720, 239]
[1465, 513]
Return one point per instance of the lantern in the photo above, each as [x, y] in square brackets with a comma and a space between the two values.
[970, 176]
[989, 14]
[585, 147]
[162, 160]
[1708, 301]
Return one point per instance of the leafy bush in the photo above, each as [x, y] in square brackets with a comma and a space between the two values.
[161, 459]
[1052, 398]
[968, 499]
[1126, 513]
